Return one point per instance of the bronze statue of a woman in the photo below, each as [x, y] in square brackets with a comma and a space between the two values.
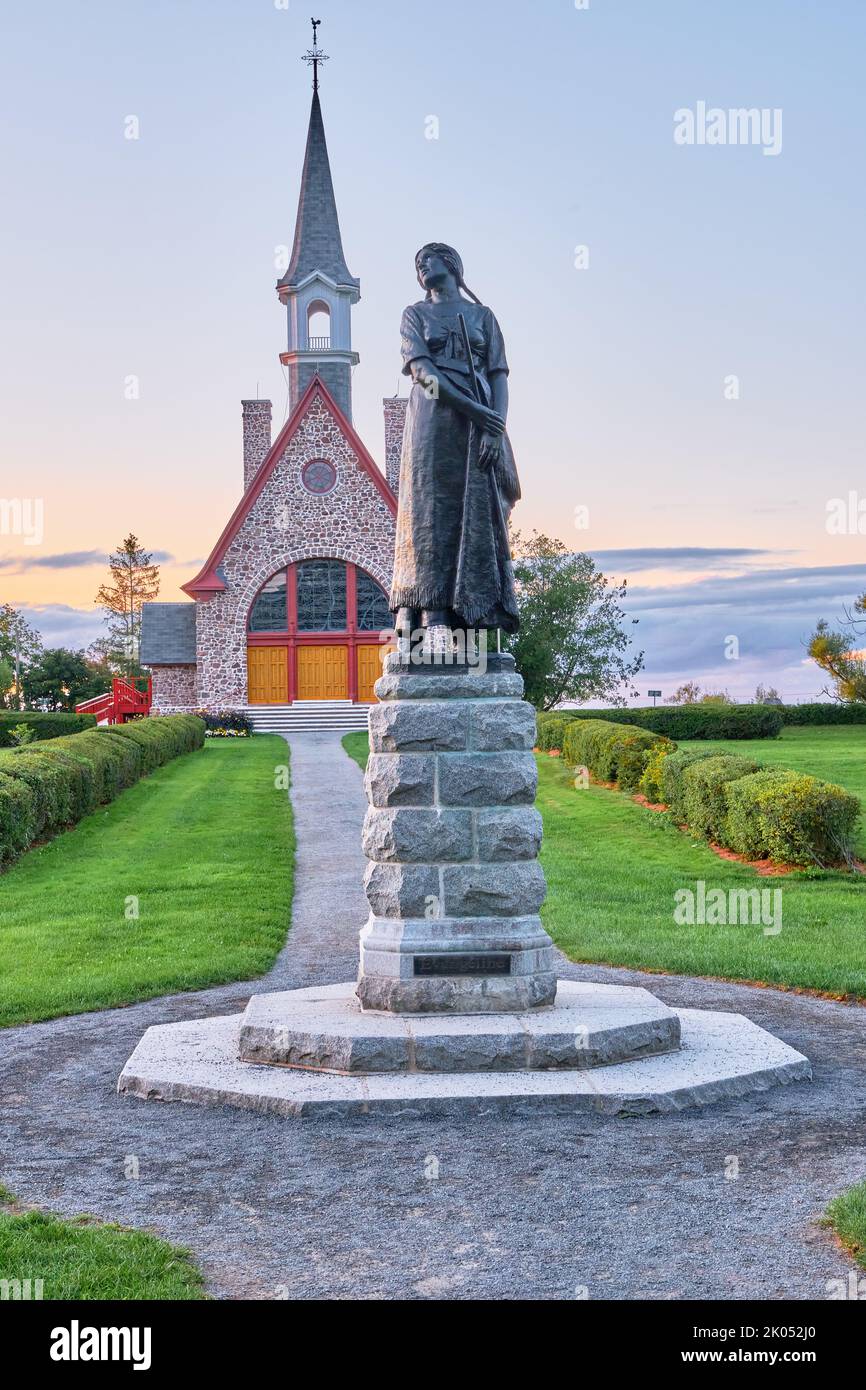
[458, 481]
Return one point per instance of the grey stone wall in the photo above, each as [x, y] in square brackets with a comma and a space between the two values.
[394, 409]
[257, 436]
[173, 689]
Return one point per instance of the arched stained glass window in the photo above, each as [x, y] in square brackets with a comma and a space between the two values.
[374, 615]
[322, 596]
[270, 610]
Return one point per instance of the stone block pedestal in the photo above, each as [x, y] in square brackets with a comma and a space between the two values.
[452, 836]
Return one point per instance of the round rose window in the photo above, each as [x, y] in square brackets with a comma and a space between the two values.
[318, 475]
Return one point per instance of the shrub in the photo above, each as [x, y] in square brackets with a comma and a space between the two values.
[21, 735]
[854, 713]
[611, 752]
[110, 764]
[44, 725]
[551, 731]
[44, 787]
[672, 773]
[705, 783]
[651, 784]
[583, 742]
[695, 721]
[226, 722]
[791, 817]
[163, 737]
[17, 817]
[59, 785]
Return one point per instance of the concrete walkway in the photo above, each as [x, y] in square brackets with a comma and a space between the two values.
[636, 1208]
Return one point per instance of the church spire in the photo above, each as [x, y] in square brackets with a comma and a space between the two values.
[318, 289]
[318, 245]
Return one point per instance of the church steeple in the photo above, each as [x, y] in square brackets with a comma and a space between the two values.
[318, 288]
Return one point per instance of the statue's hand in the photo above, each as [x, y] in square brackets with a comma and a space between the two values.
[490, 421]
[488, 452]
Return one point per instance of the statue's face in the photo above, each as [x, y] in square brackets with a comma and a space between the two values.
[432, 270]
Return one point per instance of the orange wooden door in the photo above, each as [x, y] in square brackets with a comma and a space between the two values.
[369, 671]
[323, 672]
[267, 675]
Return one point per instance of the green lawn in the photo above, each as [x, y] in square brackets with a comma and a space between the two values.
[847, 1216]
[205, 845]
[84, 1259]
[836, 753]
[357, 746]
[613, 868]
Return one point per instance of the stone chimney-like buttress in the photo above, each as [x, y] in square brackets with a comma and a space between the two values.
[395, 419]
[257, 437]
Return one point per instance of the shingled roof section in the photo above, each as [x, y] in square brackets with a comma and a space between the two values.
[318, 245]
[167, 634]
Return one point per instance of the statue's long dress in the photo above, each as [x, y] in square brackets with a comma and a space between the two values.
[452, 540]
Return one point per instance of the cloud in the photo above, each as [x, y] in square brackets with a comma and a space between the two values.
[61, 625]
[684, 628]
[678, 557]
[67, 560]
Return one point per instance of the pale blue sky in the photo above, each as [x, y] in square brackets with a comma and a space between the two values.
[155, 257]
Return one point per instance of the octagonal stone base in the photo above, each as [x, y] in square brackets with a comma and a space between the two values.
[324, 1029]
[722, 1056]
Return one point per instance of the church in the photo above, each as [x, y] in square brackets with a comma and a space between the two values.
[284, 620]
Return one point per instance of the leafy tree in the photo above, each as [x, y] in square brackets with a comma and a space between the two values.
[691, 694]
[20, 644]
[572, 644]
[133, 581]
[7, 678]
[688, 694]
[835, 653]
[60, 678]
[767, 695]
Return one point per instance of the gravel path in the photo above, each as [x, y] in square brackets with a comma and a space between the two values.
[628, 1208]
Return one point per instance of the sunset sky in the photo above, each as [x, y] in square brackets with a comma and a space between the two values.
[154, 258]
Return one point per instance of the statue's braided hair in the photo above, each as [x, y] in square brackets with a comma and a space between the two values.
[453, 262]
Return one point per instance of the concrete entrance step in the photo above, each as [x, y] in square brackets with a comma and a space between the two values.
[316, 715]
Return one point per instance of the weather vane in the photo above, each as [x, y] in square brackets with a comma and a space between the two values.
[315, 55]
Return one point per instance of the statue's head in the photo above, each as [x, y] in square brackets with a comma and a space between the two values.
[436, 263]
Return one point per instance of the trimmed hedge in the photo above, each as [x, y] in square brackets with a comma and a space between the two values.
[45, 726]
[730, 800]
[824, 713]
[791, 817]
[671, 778]
[612, 752]
[705, 783]
[163, 737]
[693, 721]
[46, 787]
[551, 731]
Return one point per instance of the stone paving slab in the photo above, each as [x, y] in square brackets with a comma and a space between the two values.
[722, 1056]
[325, 1029]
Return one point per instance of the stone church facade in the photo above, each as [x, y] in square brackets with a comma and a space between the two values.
[291, 605]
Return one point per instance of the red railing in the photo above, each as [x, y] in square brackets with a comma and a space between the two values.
[123, 701]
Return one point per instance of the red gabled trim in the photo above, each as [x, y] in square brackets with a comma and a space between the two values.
[207, 581]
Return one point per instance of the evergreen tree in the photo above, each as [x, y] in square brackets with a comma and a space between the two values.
[133, 581]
